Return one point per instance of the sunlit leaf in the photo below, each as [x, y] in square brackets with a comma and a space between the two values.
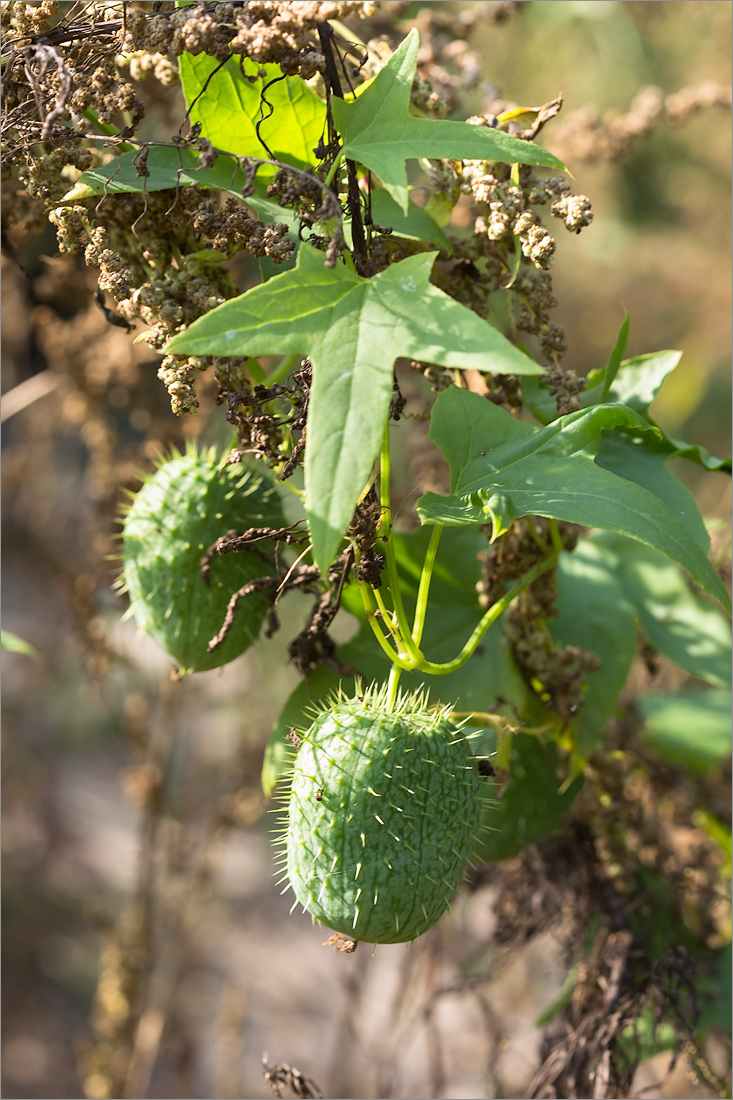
[635, 383]
[11, 643]
[230, 105]
[679, 623]
[506, 469]
[691, 729]
[614, 360]
[642, 457]
[172, 168]
[606, 587]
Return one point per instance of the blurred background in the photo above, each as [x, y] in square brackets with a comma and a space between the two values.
[94, 724]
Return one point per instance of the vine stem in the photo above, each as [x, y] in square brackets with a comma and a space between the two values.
[353, 194]
[282, 370]
[415, 661]
[407, 655]
[489, 618]
[425, 578]
[366, 598]
[410, 649]
[394, 679]
[555, 536]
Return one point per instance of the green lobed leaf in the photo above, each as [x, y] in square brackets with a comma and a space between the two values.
[679, 623]
[635, 383]
[594, 614]
[641, 457]
[453, 614]
[614, 360]
[606, 586]
[700, 456]
[377, 131]
[691, 729]
[533, 803]
[353, 329]
[232, 103]
[506, 469]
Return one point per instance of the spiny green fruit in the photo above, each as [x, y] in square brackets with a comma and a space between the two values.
[383, 809]
[187, 504]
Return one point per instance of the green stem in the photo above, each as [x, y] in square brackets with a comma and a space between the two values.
[404, 655]
[536, 535]
[332, 172]
[256, 372]
[555, 535]
[411, 650]
[385, 503]
[394, 679]
[283, 369]
[366, 594]
[489, 618]
[424, 589]
[388, 618]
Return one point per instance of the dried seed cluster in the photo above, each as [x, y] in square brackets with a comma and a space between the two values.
[48, 84]
[446, 66]
[152, 258]
[588, 136]
[263, 30]
[486, 261]
[557, 673]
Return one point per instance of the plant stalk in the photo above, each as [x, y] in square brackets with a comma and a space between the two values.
[489, 618]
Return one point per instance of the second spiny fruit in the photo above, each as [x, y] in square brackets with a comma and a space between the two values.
[190, 501]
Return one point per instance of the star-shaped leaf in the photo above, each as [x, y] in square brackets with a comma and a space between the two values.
[353, 329]
[502, 468]
[377, 131]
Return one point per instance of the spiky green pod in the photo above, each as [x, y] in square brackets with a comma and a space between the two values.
[190, 502]
[383, 811]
